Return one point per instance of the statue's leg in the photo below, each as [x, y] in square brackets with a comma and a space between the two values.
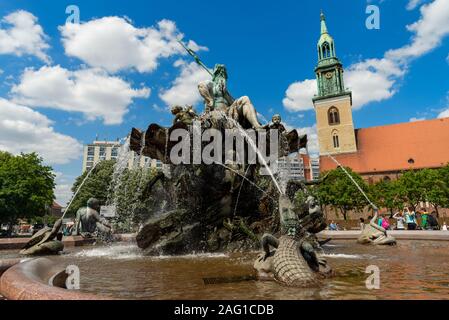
[267, 241]
[102, 228]
[205, 91]
[308, 252]
[248, 111]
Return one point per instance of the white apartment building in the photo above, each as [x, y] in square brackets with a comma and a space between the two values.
[109, 150]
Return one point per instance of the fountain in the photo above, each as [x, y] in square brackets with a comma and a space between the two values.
[202, 241]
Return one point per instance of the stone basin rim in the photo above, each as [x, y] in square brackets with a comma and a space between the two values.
[29, 280]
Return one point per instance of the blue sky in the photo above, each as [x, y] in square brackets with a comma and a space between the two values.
[61, 85]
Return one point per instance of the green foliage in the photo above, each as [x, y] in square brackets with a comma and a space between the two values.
[47, 219]
[411, 187]
[132, 206]
[339, 191]
[26, 187]
[385, 194]
[96, 186]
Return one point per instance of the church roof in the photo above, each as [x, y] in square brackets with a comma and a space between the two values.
[397, 147]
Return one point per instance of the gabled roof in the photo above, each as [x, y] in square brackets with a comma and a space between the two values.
[397, 147]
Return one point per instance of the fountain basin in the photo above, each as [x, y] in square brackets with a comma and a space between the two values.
[413, 269]
[37, 279]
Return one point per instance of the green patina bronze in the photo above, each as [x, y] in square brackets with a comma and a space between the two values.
[329, 71]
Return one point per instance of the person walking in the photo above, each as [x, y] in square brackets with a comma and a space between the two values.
[400, 221]
[410, 218]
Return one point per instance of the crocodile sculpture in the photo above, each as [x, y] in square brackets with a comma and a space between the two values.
[295, 261]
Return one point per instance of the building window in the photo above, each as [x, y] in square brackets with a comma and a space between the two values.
[387, 179]
[90, 151]
[326, 50]
[114, 152]
[336, 140]
[333, 116]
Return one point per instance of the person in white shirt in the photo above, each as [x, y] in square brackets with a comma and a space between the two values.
[399, 221]
[444, 226]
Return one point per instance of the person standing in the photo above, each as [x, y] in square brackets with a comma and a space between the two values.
[399, 221]
[410, 218]
[424, 215]
[385, 223]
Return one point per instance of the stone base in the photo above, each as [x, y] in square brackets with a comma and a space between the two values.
[69, 241]
[397, 234]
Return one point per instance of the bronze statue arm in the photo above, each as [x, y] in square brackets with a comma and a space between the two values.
[228, 97]
[267, 241]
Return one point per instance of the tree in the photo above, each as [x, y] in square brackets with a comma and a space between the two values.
[385, 194]
[96, 186]
[26, 187]
[435, 184]
[125, 192]
[411, 188]
[339, 191]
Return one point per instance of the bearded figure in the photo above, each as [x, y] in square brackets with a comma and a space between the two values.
[217, 98]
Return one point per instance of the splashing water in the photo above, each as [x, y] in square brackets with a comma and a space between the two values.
[253, 145]
[122, 162]
[240, 190]
[353, 181]
[245, 178]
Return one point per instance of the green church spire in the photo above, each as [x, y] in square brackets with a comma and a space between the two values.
[329, 70]
[323, 23]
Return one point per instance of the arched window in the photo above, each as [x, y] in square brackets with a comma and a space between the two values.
[336, 140]
[333, 116]
[326, 50]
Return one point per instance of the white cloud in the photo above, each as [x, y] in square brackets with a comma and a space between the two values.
[23, 36]
[25, 130]
[114, 44]
[412, 4]
[63, 190]
[89, 91]
[374, 80]
[299, 95]
[370, 80]
[445, 113]
[184, 89]
[429, 30]
[312, 136]
[414, 119]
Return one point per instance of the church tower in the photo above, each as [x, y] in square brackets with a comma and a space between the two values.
[333, 104]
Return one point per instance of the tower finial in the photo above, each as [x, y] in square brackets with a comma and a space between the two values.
[323, 23]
